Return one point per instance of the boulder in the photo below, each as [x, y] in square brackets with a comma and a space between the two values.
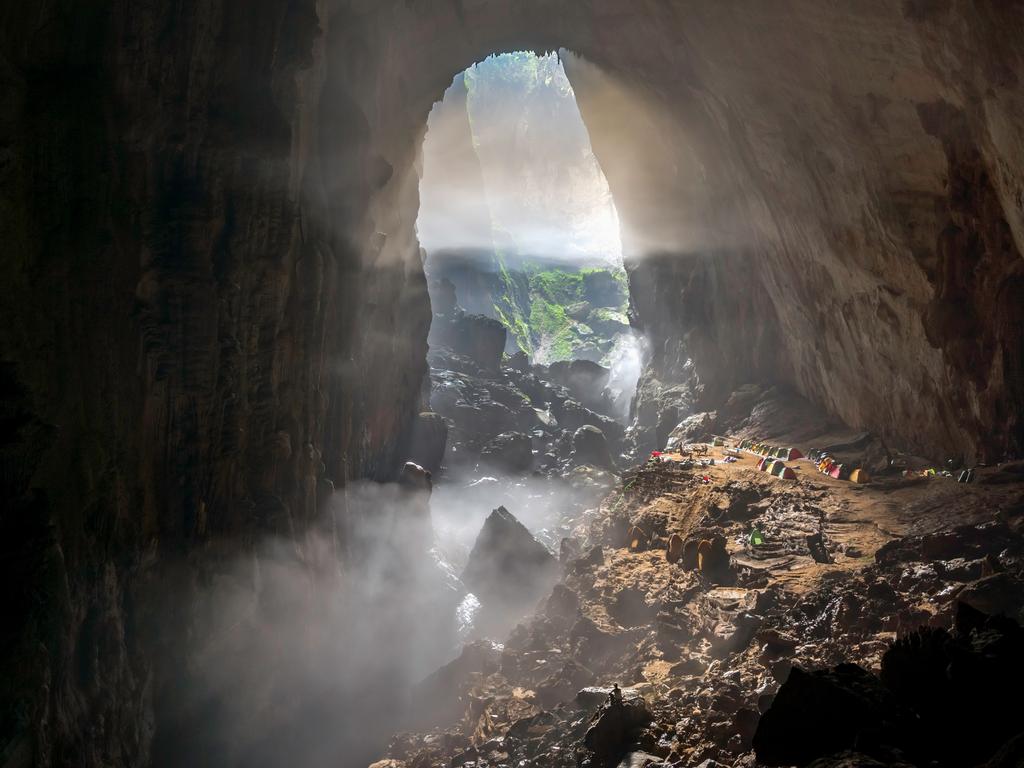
[585, 380]
[590, 447]
[414, 478]
[697, 427]
[610, 730]
[518, 361]
[478, 337]
[1000, 593]
[509, 451]
[507, 564]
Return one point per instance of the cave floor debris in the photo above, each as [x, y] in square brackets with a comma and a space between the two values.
[843, 571]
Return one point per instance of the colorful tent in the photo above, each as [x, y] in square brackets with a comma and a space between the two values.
[772, 451]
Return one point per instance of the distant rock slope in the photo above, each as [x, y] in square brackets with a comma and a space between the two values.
[507, 564]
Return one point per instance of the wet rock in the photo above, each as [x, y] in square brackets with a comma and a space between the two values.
[602, 289]
[573, 415]
[589, 446]
[509, 451]
[507, 564]
[689, 667]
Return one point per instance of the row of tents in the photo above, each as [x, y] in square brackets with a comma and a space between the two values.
[773, 457]
[829, 466]
[770, 451]
[776, 467]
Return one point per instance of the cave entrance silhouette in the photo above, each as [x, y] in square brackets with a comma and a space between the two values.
[516, 218]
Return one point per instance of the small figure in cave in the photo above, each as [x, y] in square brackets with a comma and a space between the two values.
[615, 696]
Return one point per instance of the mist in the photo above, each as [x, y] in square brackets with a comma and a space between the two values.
[308, 659]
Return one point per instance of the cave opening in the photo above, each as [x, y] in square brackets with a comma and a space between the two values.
[531, 351]
[517, 220]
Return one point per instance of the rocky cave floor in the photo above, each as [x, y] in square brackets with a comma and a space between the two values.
[874, 624]
[732, 661]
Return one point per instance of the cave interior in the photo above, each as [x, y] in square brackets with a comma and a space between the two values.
[284, 484]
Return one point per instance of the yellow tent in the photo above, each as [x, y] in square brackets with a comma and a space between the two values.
[859, 476]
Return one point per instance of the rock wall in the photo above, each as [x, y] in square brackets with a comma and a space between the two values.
[841, 211]
[213, 307]
[202, 334]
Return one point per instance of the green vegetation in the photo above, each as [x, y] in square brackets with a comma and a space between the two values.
[551, 312]
[556, 313]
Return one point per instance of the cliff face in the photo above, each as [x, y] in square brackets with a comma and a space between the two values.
[200, 337]
[841, 211]
[213, 306]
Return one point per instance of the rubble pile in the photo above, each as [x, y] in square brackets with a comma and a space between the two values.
[507, 415]
[822, 640]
